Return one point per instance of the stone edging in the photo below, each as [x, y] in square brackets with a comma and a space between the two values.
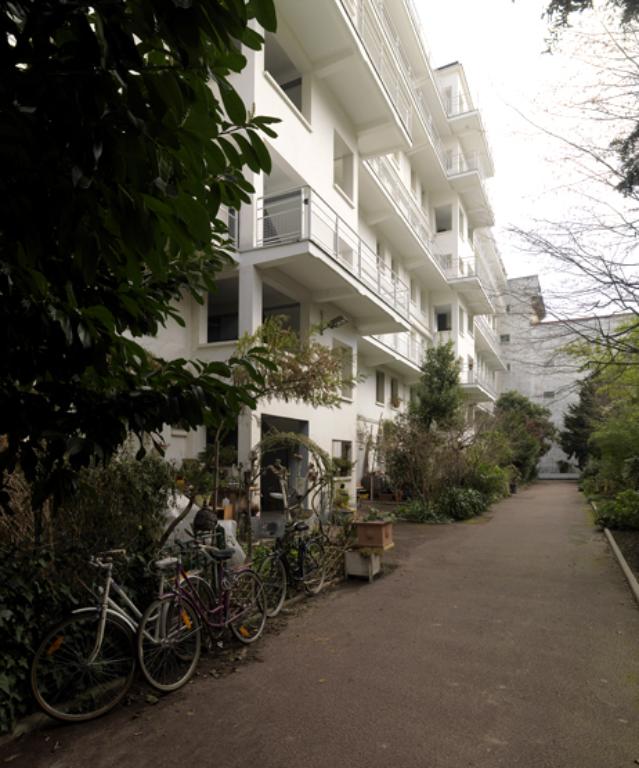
[630, 577]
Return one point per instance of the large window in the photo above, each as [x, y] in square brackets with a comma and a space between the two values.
[444, 218]
[394, 393]
[380, 387]
[346, 357]
[343, 457]
[222, 311]
[343, 166]
[280, 67]
[443, 320]
[277, 304]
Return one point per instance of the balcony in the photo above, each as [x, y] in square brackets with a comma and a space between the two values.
[230, 219]
[389, 202]
[466, 173]
[463, 277]
[476, 387]
[401, 352]
[487, 343]
[302, 236]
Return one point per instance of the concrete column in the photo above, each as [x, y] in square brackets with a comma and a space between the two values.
[248, 214]
[250, 299]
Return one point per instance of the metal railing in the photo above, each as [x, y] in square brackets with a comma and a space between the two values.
[405, 344]
[385, 59]
[415, 217]
[461, 163]
[458, 105]
[301, 214]
[472, 377]
[455, 267]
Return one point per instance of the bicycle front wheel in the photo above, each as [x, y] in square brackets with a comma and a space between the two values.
[247, 607]
[313, 566]
[73, 682]
[273, 575]
[169, 642]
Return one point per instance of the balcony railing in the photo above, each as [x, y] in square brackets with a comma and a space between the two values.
[387, 61]
[404, 344]
[487, 331]
[302, 214]
[454, 267]
[470, 376]
[461, 163]
[457, 105]
[399, 194]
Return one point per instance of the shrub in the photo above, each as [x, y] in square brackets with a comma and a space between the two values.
[461, 503]
[490, 480]
[421, 512]
[622, 513]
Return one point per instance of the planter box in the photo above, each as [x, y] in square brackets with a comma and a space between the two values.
[375, 533]
[358, 565]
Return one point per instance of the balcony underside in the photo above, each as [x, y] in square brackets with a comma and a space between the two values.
[372, 353]
[470, 188]
[474, 294]
[338, 57]
[328, 282]
[477, 393]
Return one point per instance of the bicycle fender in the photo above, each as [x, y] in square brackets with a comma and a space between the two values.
[110, 612]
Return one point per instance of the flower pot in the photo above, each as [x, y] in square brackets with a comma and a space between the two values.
[513, 487]
[357, 564]
[375, 533]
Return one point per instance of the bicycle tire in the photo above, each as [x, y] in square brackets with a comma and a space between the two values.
[313, 567]
[247, 607]
[272, 572]
[69, 688]
[169, 642]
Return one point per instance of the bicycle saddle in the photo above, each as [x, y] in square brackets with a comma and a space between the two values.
[299, 527]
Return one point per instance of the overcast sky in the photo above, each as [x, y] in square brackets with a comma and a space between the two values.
[501, 45]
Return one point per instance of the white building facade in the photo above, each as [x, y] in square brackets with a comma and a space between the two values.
[374, 222]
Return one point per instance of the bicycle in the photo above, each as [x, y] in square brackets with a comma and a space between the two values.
[86, 663]
[169, 638]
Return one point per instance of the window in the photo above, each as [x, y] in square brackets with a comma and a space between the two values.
[443, 320]
[394, 393]
[343, 457]
[448, 99]
[461, 320]
[549, 395]
[504, 338]
[380, 387]
[462, 224]
[471, 326]
[444, 218]
[276, 304]
[222, 311]
[346, 356]
[508, 367]
[414, 185]
[280, 67]
[342, 166]
[413, 291]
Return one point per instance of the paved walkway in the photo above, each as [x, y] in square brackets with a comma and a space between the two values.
[510, 641]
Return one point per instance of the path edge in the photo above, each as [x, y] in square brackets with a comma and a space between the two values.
[630, 577]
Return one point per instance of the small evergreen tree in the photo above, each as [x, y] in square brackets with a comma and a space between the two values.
[580, 422]
[439, 396]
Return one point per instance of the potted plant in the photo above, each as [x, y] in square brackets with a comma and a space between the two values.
[363, 561]
[376, 530]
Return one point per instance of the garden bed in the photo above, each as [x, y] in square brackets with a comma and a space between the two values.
[628, 543]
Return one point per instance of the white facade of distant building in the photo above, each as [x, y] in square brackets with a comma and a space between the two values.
[539, 362]
[375, 217]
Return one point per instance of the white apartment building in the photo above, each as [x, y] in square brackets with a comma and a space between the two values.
[374, 221]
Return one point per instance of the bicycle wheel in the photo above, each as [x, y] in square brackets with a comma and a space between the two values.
[169, 642]
[313, 566]
[68, 683]
[273, 575]
[247, 606]
[207, 596]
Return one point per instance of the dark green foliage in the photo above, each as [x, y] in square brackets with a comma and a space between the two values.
[560, 11]
[622, 513]
[121, 505]
[418, 511]
[528, 429]
[580, 422]
[116, 156]
[438, 396]
[489, 479]
[461, 503]
[32, 597]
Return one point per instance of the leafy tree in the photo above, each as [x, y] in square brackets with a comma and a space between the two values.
[438, 396]
[528, 429]
[122, 137]
[580, 421]
[560, 11]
